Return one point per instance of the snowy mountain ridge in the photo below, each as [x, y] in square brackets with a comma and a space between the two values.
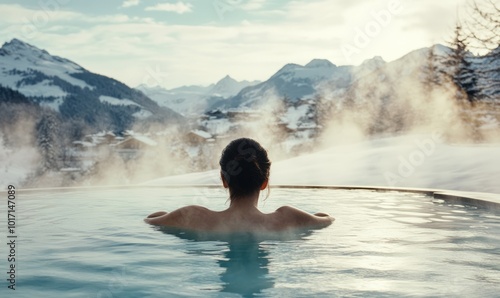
[294, 82]
[381, 97]
[24, 55]
[194, 100]
[70, 89]
[73, 91]
[320, 76]
[19, 60]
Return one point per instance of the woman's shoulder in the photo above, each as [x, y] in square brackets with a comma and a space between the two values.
[291, 211]
[195, 212]
[184, 217]
[287, 208]
[300, 218]
[194, 208]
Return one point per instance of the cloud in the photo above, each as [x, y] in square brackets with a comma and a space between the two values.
[17, 14]
[253, 4]
[272, 36]
[179, 7]
[129, 3]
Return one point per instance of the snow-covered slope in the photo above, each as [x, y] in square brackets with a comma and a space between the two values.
[18, 57]
[389, 162]
[66, 87]
[30, 70]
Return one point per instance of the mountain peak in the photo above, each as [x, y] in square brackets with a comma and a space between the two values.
[289, 67]
[374, 62]
[441, 50]
[17, 45]
[375, 59]
[319, 63]
[228, 86]
[226, 79]
[14, 41]
[35, 58]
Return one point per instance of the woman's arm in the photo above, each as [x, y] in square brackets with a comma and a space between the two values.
[156, 214]
[321, 214]
[163, 218]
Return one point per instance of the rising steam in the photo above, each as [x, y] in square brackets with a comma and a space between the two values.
[387, 102]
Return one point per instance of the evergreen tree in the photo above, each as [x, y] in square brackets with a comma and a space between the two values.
[459, 62]
[431, 72]
[484, 32]
[323, 111]
[47, 130]
[9, 95]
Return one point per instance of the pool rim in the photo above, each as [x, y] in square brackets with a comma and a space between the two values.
[478, 199]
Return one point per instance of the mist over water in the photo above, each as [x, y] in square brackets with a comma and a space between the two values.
[389, 128]
[392, 131]
[402, 161]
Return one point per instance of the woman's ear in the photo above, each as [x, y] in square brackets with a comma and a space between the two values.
[264, 185]
[224, 182]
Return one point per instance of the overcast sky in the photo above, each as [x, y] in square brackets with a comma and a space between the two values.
[174, 43]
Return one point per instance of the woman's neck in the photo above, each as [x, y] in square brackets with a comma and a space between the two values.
[245, 201]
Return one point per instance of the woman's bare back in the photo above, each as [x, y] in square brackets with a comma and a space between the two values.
[250, 220]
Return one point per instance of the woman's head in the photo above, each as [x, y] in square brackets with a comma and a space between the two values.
[244, 167]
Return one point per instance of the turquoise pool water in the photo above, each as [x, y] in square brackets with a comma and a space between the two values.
[384, 244]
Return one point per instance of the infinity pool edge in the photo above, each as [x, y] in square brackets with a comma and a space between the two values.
[478, 199]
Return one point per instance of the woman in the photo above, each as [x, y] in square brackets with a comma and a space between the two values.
[245, 172]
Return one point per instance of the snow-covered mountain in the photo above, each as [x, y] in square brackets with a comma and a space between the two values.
[293, 82]
[321, 77]
[75, 92]
[385, 87]
[30, 71]
[193, 100]
[288, 99]
[379, 96]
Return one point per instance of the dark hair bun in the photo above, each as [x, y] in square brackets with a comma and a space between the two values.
[245, 166]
